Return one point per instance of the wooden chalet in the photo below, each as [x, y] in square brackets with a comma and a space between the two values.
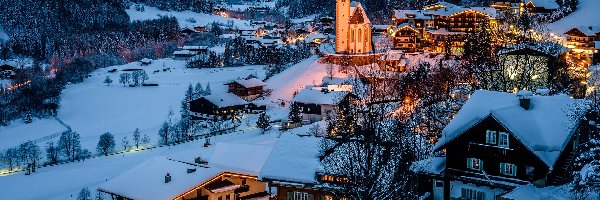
[247, 89]
[320, 103]
[407, 38]
[499, 141]
[222, 106]
[196, 49]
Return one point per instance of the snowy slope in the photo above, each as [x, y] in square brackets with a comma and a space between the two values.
[19, 132]
[586, 15]
[307, 72]
[92, 108]
[201, 19]
[93, 172]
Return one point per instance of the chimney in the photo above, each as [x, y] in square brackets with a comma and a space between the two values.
[167, 178]
[524, 99]
[590, 27]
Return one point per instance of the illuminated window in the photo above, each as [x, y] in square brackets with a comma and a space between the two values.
[474, 163]
[508, 169]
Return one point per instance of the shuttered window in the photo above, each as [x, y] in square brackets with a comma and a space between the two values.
[503, 139]
[490, 137]
[471, 194]
[508, 169]
[474, 163]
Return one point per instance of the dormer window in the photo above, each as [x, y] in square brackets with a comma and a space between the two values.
[474, 163]
[490, 137]
[503, 139]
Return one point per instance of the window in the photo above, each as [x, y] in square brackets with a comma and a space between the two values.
[503, 142]
[439, 183]
[227, 197]
[471, 194]
[508, 169]
[490, 137]
[530, 170]
[243, 181]
[474, 163]
[301, 196]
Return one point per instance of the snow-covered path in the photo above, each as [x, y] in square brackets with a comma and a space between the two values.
[295, 78]
[587, 14]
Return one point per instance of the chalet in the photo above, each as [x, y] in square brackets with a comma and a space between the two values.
[499, 141]
[293, 170]
[439, 27]
[541, 6]
[196, 49]
[145, 61]
[381, 29]
[583, 37]
[247, 89]
[229, 174]
[184, 54]
[222, 106]
[187, 31]
[318, 103]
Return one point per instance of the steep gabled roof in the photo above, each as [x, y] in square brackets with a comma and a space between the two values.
[225, 100]
[548, 4]
[311, 96]
[250, 83]
[545, 129]
[358, 14]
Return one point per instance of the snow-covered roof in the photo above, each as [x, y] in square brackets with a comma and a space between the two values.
[381, 26]
[244, 158]
[418, 14]
[589, 30]
[147, 180]
[530, 191]
[249, 83]
[544, 129]
[225, 100]
[548, 4]
[443, 31]
[146, 60]
[184, 52]
[195, 48]
[549, 48]
[433, 165]
[338, 80]
[319, 97]
[293, 159]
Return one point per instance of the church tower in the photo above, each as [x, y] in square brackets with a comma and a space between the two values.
[342, 24]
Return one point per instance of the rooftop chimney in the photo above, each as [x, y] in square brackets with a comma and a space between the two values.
[525, 99]
[167, 178]
[590, 27]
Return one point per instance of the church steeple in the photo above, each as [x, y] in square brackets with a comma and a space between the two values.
[342, 19]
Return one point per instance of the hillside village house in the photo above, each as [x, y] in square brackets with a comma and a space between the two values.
[499, 141]
[320, 103]
[196, 49]
[223, 106]
[247, 89]
[585, 43]
[532, 6]
[286, 169]
[437, 25]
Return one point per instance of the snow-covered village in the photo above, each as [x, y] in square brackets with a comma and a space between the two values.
[299, 99]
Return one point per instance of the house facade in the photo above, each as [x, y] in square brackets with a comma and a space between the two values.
[439, 26]
[317, 104]
[499, 141]
[247, 89]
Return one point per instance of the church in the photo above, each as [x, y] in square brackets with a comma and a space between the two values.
[353, 28]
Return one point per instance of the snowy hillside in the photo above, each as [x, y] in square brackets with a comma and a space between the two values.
[586, 15]
[185, 18]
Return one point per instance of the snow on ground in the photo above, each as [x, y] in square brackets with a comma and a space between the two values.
[91, 173]
[92, 108]
[18, 132]
[183, 17]
[295, 78]
[586, 15]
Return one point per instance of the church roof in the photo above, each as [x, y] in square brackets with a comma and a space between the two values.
[358, 14]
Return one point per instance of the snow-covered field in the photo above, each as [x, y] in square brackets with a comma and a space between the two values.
[586, 15]
[184, 17]
[91, 173]
[19, 132]
[92, 108]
